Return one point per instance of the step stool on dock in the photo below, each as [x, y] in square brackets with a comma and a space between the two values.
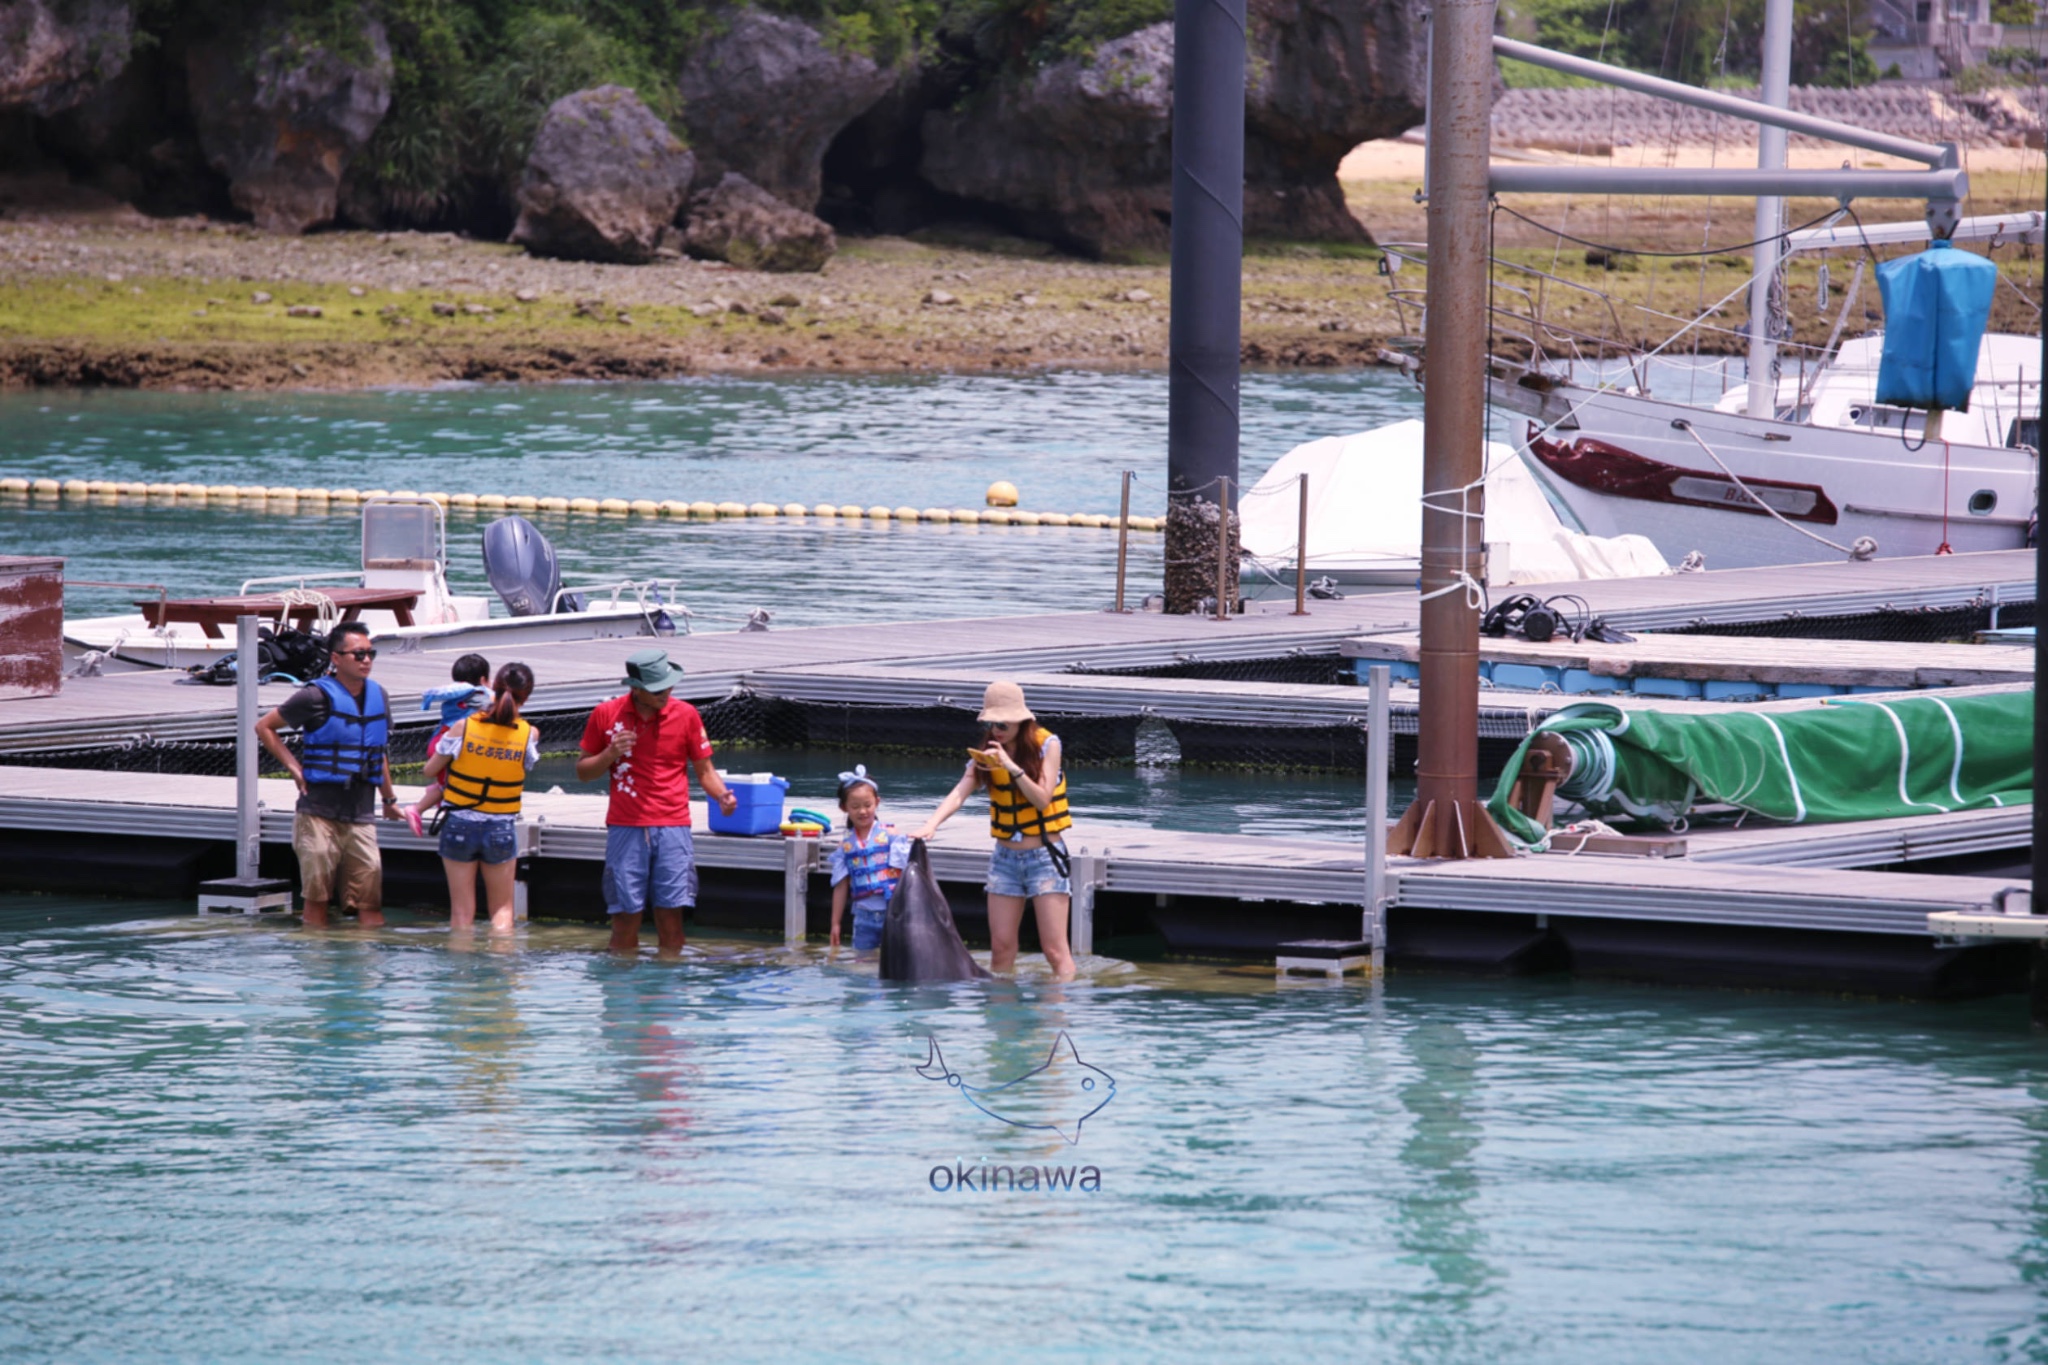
[245, 896]
[1326, 956]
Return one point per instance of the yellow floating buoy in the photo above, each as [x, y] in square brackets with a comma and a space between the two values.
[615, 507]
[220, 492]
[646, 507]
[281, 494]
[732, 509]
[584, 505]
[880, 513]
[99, 487]
[825, 509]
[438, 499]
[78, 488]
[376, 492]
[462, 500]
[156, 490]
[1023, 518]
[793, 509]
[492, 501]
[48, 488]
[675, 509]
[1002, 493]
[13, 485]
[318, 495]
[1147, 523]
[763, 509]
[347, 497]
[907, 514]
[1054, 519]
[938, 516]
[703, 509]
[553, 504]
[966, 516]
[523, 502]
[850, 512]
[405, 493]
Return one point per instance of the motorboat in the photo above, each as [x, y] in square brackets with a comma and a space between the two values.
[1362, 490]
[404, 564]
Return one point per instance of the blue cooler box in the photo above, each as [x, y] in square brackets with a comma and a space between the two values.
[760, 807]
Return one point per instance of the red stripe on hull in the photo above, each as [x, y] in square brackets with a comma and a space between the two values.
[1602, 468]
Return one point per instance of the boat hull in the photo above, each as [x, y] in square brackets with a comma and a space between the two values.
[1626, 463]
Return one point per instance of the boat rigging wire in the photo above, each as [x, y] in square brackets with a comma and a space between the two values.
[1864, 548]
[1827, 217]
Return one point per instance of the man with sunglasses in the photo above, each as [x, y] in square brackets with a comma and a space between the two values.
[345, 718]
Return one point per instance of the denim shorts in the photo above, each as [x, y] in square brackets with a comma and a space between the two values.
[867, 924]
[468, 839]
[648, 867]
[1014, 871]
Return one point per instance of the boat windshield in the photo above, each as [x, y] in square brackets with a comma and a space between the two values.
[401, 535]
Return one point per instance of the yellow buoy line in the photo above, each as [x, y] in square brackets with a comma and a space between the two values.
[319, 499]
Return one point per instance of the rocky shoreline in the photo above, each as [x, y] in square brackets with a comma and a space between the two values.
[204, 306]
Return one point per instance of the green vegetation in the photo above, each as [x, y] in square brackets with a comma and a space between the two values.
[1703, 42]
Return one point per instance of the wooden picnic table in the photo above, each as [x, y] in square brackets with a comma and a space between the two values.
[211, 613]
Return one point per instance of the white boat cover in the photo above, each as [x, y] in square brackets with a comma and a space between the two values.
[1365, 516]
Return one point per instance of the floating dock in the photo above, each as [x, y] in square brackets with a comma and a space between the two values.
[1795, 906]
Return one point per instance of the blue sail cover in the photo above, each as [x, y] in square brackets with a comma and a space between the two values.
[1936, 307]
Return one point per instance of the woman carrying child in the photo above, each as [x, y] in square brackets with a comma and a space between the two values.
[867, 863]
[1019, 766]
[472, 674]
[484, 760]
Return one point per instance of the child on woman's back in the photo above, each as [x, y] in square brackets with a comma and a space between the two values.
[867, 863]
[469, 692]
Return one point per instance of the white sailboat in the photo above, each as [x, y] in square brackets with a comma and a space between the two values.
[1787, 467]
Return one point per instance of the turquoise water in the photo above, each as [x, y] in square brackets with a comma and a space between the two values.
[244, 1143]
[930, 440]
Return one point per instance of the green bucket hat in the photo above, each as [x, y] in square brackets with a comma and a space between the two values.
[651, 671]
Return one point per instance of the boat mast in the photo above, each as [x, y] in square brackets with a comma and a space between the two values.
[1770, 212]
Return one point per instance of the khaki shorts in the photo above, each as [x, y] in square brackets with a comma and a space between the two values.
[338, 855]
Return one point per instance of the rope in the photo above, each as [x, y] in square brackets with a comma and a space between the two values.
[1865, 547]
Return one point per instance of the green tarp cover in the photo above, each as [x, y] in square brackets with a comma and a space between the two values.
[1850, 759]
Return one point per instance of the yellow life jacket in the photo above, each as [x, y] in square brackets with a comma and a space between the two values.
[489, 773]
[1010, 811]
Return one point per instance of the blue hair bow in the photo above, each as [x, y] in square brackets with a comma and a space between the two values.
[859, 776]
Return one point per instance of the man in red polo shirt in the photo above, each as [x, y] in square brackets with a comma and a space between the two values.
[648, 741]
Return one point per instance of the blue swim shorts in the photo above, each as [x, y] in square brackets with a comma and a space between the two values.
[648, 867]
[1014, 871]
[468, 839]
[867, 924]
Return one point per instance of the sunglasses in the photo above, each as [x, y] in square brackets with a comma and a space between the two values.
[361, 656]
[990, 725]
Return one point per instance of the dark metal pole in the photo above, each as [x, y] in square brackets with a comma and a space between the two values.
[1446, 819]
[2040, 848]
[1208, 262]
[1223, 553]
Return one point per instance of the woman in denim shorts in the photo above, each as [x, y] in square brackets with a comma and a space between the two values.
[1018, 765]
[482, 762]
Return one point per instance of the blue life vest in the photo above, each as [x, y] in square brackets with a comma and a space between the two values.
[351, 742]
[868, 867]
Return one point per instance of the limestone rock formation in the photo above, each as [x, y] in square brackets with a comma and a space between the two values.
[766, 97]
[738, 221]
[1322, 76]
[605, 177]
[280, 115]
[54, 53]
[1080, 151]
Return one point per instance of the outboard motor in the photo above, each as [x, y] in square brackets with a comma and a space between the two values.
[522, 568]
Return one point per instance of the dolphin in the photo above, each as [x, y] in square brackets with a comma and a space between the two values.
[1059, 1095]
[919, 939]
